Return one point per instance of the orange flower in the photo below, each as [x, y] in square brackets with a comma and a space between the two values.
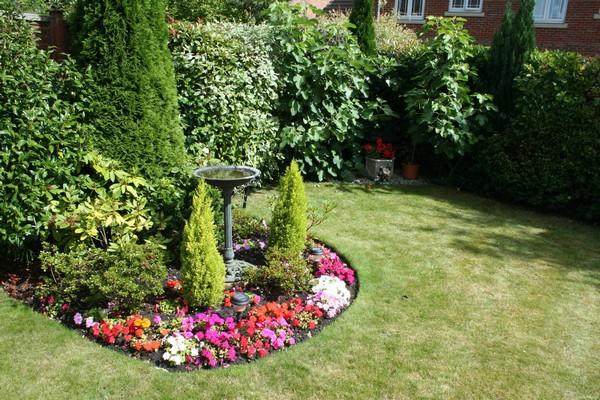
[137, 346]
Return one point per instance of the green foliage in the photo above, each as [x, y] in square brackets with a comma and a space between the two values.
[289, 220]
[513, 44]
[284, 273]
[361, 18]
[108, 205]
[441, 106]
[549, 156]
[247, 226]
[125, 275]
[202, 267]
[325, 98]
[392, 38]
[42, 135]
[37, 6]
[227, 92]
[213, 10]
[135, 101]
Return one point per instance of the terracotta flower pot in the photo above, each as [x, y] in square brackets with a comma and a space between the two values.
[410, 171]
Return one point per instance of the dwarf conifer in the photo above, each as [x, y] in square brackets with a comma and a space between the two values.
[202, 267]
[289, 220]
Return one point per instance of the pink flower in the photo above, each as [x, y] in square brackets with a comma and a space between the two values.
[78, 319]
[156, 319]
[89, 321]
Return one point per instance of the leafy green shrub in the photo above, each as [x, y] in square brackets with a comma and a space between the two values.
[392, 38]
[362, 19]
[549, 157]
[134, 100]
[108, 205]
[227, 92]
[247, 226]
[289, 220]
[202, 267]
[125, 275]
[325, 99]
[42, 135]
[511, 48]
[214, 10]
[441, 106]
[284, 273]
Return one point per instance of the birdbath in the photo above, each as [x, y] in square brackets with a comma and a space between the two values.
[227, 178]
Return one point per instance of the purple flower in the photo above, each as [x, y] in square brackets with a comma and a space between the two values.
[237, 247]
[156, 319]
[78, 319]
[262, 244]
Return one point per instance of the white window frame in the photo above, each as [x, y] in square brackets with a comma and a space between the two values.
[410, 16]
[465, 8]
[545, 17]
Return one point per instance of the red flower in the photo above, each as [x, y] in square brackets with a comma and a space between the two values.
[262, 353]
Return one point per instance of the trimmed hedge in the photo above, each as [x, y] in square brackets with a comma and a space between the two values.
[550, 155]
[42, 136]
[227, 92]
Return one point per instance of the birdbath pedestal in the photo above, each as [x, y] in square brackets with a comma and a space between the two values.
[227, 178]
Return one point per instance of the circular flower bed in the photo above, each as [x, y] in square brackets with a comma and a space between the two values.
[167, 332]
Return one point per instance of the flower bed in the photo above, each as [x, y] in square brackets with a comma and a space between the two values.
[168, 333]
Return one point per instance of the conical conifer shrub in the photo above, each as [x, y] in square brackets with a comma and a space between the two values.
[202, 267]
[289, 220]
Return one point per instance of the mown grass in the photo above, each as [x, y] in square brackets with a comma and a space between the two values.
[461, 297]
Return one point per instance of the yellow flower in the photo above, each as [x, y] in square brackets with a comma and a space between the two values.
[145, 323]
[138, 322]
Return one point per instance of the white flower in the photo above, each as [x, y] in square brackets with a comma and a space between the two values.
[194, 352]
[177, 359]
[166, 356]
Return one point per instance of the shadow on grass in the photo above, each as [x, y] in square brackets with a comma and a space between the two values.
[485, 227]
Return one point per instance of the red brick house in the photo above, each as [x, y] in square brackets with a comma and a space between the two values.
[560, 24]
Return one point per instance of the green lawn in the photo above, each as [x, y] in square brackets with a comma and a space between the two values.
[461, 297]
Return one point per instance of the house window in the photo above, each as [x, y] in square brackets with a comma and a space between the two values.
[549, 11]
[465, 5]
[410, 9]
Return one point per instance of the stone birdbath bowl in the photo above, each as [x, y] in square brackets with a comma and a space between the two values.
[227, 178]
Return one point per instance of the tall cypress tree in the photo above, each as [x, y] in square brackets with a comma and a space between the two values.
[135, 102]
[362, 19]
[513, 44]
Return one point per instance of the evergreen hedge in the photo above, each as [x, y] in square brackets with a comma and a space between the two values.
[42, 137]
[549, 156]
[135, 99]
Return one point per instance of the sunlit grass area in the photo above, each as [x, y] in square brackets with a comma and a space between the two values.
[460, 297]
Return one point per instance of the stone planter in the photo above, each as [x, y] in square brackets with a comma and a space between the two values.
[379, 168]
